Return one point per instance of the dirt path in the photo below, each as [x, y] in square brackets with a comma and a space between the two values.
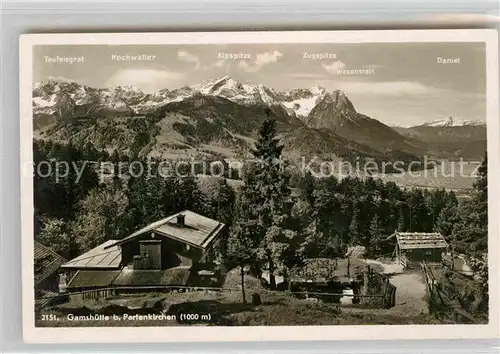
[411, 296]
[385, 268]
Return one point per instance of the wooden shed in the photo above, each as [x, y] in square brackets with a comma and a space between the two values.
[414, 247]
[46, 264]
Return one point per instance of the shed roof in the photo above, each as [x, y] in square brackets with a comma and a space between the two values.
[47, 262]
[107, 255]
[197, 230]
[93, 278]
[420, 240]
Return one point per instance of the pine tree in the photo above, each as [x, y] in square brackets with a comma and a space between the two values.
[265, 205]
[169, 194]
[471, 231]
[304, 225]
[115, 160]
[481, 184]
[219, 204]
[401, 220]
[137, 210]
[420, 219]
[447, 220]
[307, 187]
[354, 227]
[331, 225]
[247, 230]
[376, 236]
[445, 224]
[55, 235]
[268, 148]
[100, 218]
[241, 251]
[189, 195]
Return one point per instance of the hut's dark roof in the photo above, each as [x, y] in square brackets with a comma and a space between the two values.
[47, 262]
[93, 278]
[198, 230]
[420, 240]
[152, 277]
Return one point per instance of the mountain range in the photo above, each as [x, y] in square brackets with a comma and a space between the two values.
[453, 122]
[451, 137]
[223, 116]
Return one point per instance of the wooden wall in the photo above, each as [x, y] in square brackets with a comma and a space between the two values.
[431, 255]
[49, 284]
[173, 253]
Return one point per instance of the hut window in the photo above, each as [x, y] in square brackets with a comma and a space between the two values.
[428, 253]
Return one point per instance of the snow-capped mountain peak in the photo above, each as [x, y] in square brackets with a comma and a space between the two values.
[453, 122]
[233, 90]
[302, 101]
[317, 90]
[128, 88]
[211, 87]
[48, 96]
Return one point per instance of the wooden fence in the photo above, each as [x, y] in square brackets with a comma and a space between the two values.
[383, 298]
[379, 283]
[433, 293]
[389, 295]
[403, 261]
[449, 263]
[440, 302]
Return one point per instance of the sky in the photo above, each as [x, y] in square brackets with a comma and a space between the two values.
[397, 83]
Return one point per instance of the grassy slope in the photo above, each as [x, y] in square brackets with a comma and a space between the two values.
[227, 309]
[461, 299]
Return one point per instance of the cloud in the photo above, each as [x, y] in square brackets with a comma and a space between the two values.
[337, 65]
[191, 58]
[148, 80]
[218, 64]
[261, 60]
[188, 57]
[243, 65]
[334, 67]
[267, 57]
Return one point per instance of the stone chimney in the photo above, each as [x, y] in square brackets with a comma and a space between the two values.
[181, 220]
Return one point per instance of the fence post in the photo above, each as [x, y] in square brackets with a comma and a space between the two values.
[365, 280]
[385, 287]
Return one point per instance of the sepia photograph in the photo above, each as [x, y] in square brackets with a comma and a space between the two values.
[258, 183]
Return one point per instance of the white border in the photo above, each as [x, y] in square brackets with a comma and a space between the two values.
[33, 334]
